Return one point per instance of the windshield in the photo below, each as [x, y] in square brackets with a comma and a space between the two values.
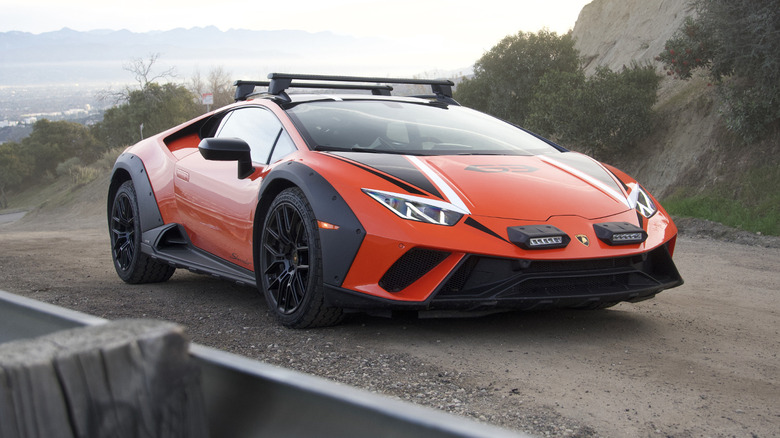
[410, 128]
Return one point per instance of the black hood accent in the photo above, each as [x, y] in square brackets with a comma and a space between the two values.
[470, 221]
[396, 169]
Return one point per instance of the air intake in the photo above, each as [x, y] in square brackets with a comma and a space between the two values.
[410, 268]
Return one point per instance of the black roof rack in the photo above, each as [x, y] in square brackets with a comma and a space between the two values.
[245, 88]
[280, 82]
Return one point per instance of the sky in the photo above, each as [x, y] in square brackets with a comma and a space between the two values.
[477, 21]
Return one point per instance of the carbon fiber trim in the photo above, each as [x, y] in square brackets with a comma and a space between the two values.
[403, 172]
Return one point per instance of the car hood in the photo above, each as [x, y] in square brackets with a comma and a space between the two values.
[515, 187]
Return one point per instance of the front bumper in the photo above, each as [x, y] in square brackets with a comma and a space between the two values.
[481, 283]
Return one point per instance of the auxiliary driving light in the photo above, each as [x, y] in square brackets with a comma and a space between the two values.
[619, 233]
[538, 237]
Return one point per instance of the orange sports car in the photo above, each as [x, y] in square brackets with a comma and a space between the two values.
[337, 200]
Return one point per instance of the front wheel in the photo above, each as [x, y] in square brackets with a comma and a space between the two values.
[291, 264]
[130, 263]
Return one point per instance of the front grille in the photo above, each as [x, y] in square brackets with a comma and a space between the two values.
[491, 279]
[410, 267]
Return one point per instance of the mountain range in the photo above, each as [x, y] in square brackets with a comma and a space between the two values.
[67, 56]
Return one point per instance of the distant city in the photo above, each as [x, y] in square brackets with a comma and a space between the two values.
[21, 107]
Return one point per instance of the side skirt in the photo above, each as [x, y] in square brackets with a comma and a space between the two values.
[171, 244]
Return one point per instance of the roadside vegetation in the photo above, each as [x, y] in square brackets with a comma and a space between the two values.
[736, 44]
[755, 208]
[601, 115]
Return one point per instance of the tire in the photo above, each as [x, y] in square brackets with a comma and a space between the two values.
[290, 257]
[131, 264]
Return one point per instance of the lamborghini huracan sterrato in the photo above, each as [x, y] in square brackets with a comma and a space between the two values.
[331, 203]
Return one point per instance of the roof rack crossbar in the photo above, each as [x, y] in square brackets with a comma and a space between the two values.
[278, 83]
[246, 88]
[323, 85]
[439, 86]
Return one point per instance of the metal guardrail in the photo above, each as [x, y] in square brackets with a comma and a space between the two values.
[247, 398]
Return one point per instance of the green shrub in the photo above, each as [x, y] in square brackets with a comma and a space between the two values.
[506, 76]
[688, 49]
[601, 114]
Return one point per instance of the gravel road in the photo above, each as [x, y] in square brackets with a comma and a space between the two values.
[699, 360]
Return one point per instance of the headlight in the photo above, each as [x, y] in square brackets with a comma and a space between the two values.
[641, 201]
[418, 209]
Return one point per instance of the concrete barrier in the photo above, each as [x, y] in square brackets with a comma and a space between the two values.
[65, 373]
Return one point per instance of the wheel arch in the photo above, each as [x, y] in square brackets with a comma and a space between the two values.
[130, 167]
[339, 247]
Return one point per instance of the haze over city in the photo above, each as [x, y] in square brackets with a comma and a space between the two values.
[454, 33]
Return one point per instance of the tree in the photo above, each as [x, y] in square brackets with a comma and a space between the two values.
[616, 108]
[506, 76]
[142, 71]
[555, 106]
[740, 43]
[39, 154]
[689, 48]
[600, 114]
[218, 83]
[51, 143]
[148, 111]
[15, 166]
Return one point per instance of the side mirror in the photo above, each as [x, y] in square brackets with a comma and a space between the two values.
[228, 149]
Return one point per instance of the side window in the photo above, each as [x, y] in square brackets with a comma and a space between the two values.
[257, 126]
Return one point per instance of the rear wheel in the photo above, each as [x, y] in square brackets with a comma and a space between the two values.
[291, 264]
[130, 263]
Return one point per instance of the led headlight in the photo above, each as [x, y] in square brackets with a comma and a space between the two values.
[418, 209]
[641, 201]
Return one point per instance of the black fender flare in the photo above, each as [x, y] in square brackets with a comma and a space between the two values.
[133, 166]
[339, 246]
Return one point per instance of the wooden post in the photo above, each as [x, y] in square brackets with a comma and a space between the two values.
[127, 378]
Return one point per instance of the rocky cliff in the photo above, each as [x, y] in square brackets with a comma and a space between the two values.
[689, 146]
[615, 33]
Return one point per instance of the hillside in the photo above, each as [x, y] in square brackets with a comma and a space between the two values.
[690, 148]
[616, 33]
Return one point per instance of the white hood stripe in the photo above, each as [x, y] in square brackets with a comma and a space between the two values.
[445, 188]
[588, 179]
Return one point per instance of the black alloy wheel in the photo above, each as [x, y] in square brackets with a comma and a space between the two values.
[123, 234]
[287, 244]
[130, 263]
[290, 260]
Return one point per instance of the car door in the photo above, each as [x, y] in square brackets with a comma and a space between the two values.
[215, 206]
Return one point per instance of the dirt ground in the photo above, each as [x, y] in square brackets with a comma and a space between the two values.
[699, 360]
